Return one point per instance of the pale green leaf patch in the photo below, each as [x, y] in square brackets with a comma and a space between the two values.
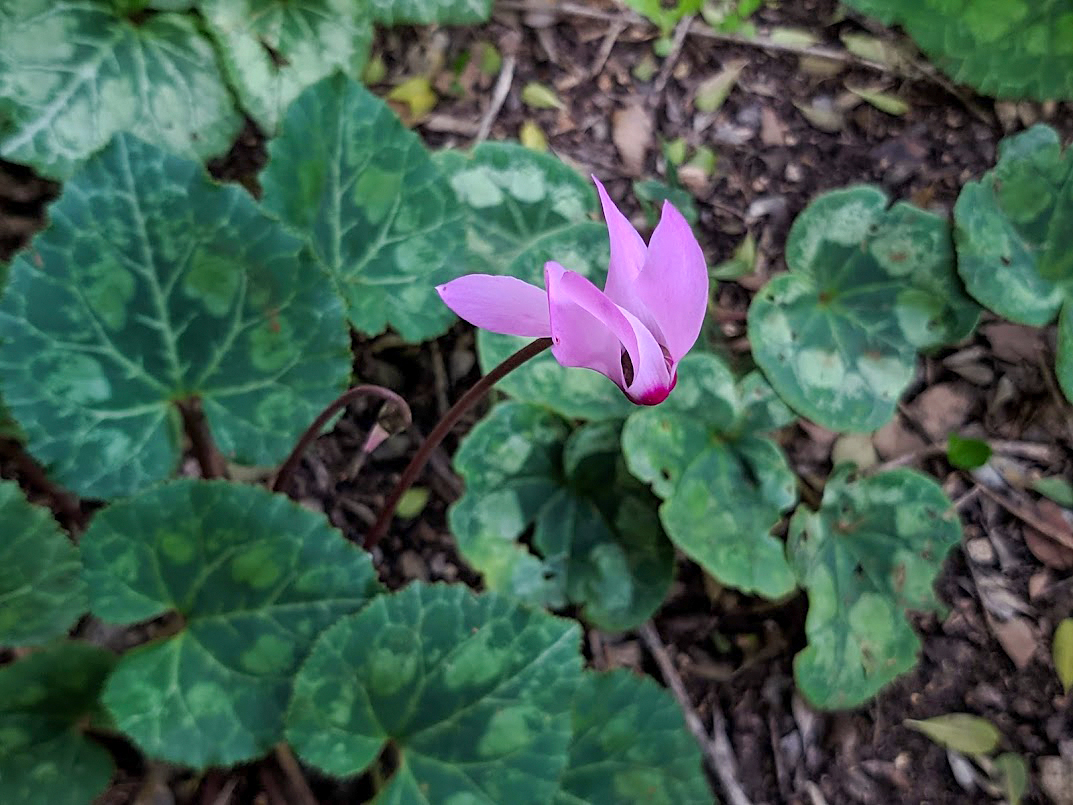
[474, 690]
[1013, 229]
[273, 49]
[630, 746]
[363, 189]
[153, 285]
[1014, 235]
[724, 485]
[45, 698]
[72, 74]
[962, 732]
[41, 589]
[254, 579]
[868, 287]
[427, 12]
[870, 553]
[596, 540]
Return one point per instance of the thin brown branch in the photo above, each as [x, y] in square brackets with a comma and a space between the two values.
[301, 793]
[716, 749]
[197, 430]
[443, 427]
[499, 95]
[336, 405]
[1028, 518]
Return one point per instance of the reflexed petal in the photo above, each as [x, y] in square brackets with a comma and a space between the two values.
[590, 330]
[499, 304]
[628, 249]
[578, 337]
[673, 285]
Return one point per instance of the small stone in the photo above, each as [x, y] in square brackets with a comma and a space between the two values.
[980, 550]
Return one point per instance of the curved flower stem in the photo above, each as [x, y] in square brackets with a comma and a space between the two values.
[313, 431]
[443, 427]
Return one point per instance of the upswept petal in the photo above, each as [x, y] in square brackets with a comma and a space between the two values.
[628, 249]
[590, 330]
[504, 305]
[673, 285]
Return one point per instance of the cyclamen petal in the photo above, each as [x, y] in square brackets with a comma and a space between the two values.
[634, 332]
[504, 305]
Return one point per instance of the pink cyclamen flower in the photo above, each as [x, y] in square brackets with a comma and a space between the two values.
[634, 331]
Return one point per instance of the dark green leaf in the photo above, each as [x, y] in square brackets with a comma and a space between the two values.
[596, 541]
[41, 589]
[870, 553]
[474, 690]
[155, 285]
[1014, 229]
[254, 578]
[967, 454]
[387, 227]
[1007, 49]
[868, 287]
[44, 697]
[724, 486]
[73, 73]
[630, 746]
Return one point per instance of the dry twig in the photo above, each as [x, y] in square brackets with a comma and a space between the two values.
[499, 95]
[716, 749]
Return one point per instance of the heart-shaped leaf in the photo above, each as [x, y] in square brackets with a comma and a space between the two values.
[868, 287]
[1012, 50]
[870, 553]
[41, 589]
[596, 540]
[630, 746]
[1014, 229]
[72, 74]
[473, 690]
[381, 218]
[254, 579]
[274, 49]
[154, 285]
[724, 486]
[44, 699]
[428, 12]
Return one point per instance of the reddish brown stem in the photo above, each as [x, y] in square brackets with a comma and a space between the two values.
[421, 457]
[339, 403]
[197, 428]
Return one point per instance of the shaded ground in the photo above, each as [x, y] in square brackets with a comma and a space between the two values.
[1008, 585]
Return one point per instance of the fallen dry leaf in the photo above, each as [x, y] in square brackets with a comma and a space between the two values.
[943, 408]
[1051, 553]
[1056, 778]
[772, 130]
[1014, 343]
[1017, 638]
[713, 91]
[631, 132]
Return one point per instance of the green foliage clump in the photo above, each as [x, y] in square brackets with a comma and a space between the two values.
[1009, 49]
